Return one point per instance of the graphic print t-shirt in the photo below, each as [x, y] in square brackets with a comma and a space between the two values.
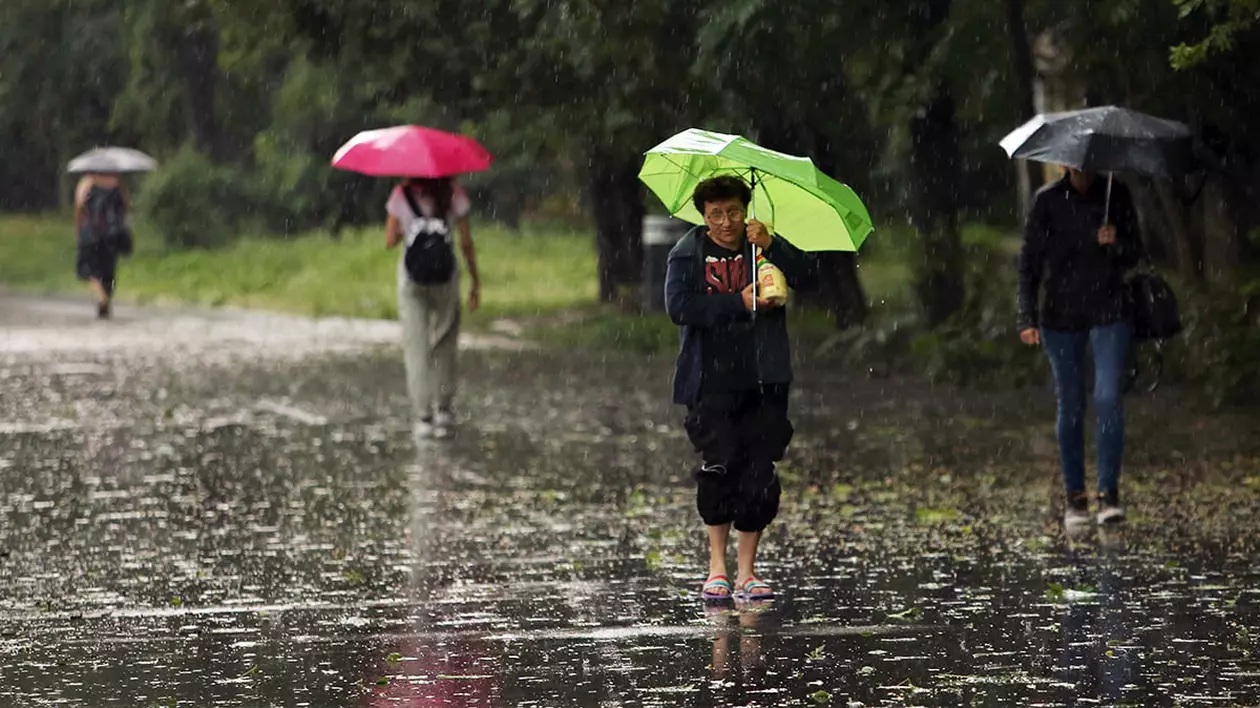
[729, 352]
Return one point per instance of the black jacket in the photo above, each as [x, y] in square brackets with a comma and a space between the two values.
[692, 308]
[1084, 280]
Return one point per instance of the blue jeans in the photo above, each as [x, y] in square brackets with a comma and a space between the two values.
[1066, 350]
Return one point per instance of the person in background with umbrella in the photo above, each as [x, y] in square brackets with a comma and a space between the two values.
[430, 313]
[1080, 238]
[733, 373]
[420, 212]
[101, 203]
[1077, 246]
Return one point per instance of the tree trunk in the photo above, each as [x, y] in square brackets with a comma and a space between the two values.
[1246, 204]
[1028, 173]
[934, 169]
[840, 291]
[1188, 248]
[1218, 221]
[630, 222]
[617, 201]
[934, 164]
[199, 64]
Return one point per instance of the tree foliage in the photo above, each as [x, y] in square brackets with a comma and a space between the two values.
[1227, 18]
[904, 101]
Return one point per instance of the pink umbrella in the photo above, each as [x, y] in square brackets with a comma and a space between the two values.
[411, 151]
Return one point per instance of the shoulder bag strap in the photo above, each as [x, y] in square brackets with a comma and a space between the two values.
[411, 201]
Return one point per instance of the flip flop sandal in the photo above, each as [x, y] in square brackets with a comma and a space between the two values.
[713, 584]
[745, 591]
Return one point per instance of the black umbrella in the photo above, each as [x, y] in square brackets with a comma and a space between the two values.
[1105, 139]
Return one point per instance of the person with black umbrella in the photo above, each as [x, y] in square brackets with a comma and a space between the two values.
[1080, 238]
[1081, 265]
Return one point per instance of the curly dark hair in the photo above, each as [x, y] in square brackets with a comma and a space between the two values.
[717, 189]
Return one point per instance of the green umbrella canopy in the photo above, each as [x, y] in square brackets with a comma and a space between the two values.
[805, 206]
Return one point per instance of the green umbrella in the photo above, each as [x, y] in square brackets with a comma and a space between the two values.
[805, 206]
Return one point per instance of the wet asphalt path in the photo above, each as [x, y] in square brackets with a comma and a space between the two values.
[220, 508]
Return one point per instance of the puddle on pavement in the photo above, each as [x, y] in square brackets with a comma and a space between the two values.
[266, 536]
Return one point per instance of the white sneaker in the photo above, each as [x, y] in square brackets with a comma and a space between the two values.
[444, 423]
[423, 429]
[1111, 515]
[1076, 514]
[1076, 518]
[1109, 509]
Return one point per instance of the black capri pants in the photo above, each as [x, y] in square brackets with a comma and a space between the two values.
[740, 436]
[98, 262]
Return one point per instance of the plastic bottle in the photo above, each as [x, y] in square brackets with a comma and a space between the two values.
[771, 285]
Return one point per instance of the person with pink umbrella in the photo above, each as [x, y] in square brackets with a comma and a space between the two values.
[421, 212]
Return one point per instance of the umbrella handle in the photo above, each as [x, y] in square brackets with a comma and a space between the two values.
[1107, 205]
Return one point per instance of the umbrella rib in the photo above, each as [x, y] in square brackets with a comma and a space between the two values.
[669, 157]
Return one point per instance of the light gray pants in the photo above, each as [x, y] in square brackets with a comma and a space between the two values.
[430, 325]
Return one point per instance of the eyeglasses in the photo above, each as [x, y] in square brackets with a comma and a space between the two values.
[717, 217]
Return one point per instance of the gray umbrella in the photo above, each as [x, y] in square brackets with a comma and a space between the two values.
[114, 160]
[1105, 139]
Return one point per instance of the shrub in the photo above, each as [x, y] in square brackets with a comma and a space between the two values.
[1220, 345]
[294, 190]
[979, 341]
[193, 203]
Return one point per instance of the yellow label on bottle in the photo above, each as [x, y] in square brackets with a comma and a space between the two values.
[771, 285]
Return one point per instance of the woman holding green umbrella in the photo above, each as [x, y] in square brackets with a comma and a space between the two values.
[734, 368]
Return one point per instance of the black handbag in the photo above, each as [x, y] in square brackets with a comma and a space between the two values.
[1154, 317]
[1153, 306]
[121, 241]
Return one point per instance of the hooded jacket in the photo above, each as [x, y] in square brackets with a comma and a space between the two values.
[693, 309]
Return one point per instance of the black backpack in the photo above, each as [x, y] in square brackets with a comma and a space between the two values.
[430, 256]
[106, 220]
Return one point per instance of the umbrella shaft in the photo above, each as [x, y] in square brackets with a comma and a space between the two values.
[752, 211]
[1107, 204]
[753, 268]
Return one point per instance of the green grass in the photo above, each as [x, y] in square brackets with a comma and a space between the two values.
[522, 274]
[37, 253]
[545, 274]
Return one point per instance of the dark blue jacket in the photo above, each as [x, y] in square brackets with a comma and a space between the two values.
[692, 308]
